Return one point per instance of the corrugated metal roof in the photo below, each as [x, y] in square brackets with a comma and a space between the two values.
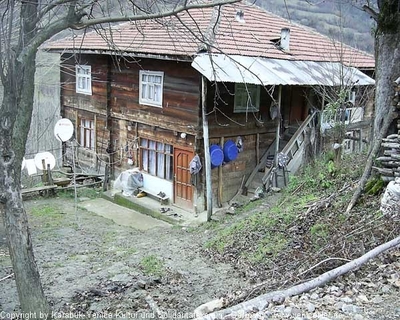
[266, 71]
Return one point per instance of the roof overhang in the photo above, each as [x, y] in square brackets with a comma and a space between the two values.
[265, 71]
[114, 53]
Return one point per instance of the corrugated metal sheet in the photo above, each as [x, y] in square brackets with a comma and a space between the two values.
[265, 71]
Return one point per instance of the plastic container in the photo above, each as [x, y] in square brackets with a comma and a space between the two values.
[216, 155]
[230, 151]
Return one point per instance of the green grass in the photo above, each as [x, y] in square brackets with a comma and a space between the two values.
[82, 192]
[46, 212]
[151, 265]
[268, 247]
[264, 233]
[48, 216]
[319, 234]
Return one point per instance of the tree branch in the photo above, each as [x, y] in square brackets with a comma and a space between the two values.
[262, 301]
[157, 15]
[371, 12]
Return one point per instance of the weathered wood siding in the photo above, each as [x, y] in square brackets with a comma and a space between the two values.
[132, 121]
[223, 122]
[121, 121]
[94, 159]
[180, 103]
[95, 103]
[257, 130]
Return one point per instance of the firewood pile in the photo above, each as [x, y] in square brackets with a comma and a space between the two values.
[390, 161]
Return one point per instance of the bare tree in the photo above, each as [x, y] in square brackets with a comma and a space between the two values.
[25, 25]
[387, 39]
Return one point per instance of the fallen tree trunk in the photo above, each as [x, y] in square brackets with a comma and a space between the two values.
[261, 302]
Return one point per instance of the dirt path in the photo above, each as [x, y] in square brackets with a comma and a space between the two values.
[94, 268]
[89, 264]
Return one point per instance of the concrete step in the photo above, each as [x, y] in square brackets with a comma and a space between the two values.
[121, 215]
[151, 207]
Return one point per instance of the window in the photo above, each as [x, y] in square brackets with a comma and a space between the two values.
[86, 134]
[247, 98]
[83, 79]
[157, 158]
[151, 88]
[331, 117]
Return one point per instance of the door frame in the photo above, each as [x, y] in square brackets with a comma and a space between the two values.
[191, 153]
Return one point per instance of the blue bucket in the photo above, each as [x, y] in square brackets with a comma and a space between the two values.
[230, 151]
[216, 155]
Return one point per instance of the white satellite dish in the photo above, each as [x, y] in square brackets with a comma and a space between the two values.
[48, 159]
[63, 130]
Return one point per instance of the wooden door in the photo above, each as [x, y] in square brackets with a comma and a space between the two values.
[183, 190]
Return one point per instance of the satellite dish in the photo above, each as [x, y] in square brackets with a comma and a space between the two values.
[48, 159]
[63, 130]
[23, 163]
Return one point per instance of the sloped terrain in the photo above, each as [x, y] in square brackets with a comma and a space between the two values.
[94, 268]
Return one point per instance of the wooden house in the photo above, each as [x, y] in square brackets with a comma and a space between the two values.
[220, 83]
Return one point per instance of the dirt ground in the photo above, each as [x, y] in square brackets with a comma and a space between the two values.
[94, 268]
[90, 265]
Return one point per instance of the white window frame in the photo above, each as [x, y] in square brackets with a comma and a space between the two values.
[83, 79]
[247, 98]
[151, 92]
[86, 133]
[157, 158]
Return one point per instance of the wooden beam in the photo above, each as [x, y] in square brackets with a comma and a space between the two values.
[206, 147]
[220, 178]
[278, 132]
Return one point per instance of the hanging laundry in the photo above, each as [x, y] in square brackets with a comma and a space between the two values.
[30, 166]
[195, 165]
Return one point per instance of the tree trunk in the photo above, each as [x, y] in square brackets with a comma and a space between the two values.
[14, 128]
[387, 71]
[30, 292]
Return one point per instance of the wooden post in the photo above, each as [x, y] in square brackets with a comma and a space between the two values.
[49, 177]
[220, 180]
[278, 133]
[206, 147]
[44, 174]
[137, 145]
[106, 175]
[258, 148]
[96, 159]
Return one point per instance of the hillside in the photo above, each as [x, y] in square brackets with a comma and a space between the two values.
[337, 19]
[94, 268]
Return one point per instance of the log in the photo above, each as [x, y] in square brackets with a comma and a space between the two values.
[390, 152]
[384, 171]
[390, 164]
[390, 145]
[387, 179]
[6, 277]
[383, 159]
[261, 302]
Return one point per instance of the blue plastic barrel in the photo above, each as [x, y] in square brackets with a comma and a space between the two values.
[230, 151]
[216, 155]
